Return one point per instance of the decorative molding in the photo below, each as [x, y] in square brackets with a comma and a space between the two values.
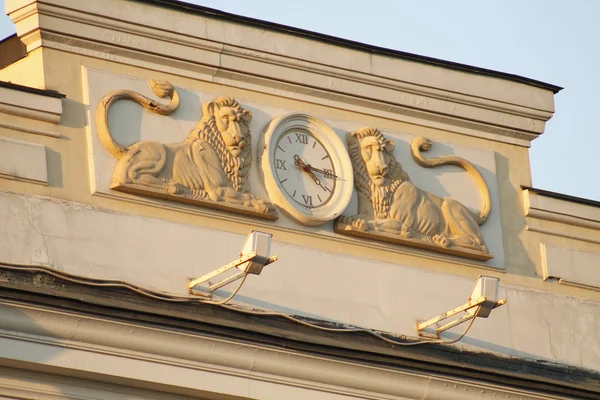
[370, 106]
[509, 116]
[562, 218]
[205, 364]
[554, 232]
[30, 105]
[23, 161]
[209, 168]
[547, 208]
[392, 209]
[29, 130]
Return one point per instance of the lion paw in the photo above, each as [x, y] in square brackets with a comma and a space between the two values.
[360, 224]
[175, 188]
[251, 201]
[355, 222]
[405, 231]
[261, 206]
[442, 240]
[197, 194]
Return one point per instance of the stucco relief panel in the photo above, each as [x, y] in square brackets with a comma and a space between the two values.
[393, 209]
[454, 196]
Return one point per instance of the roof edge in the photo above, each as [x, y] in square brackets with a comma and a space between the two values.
[562, 196]
[218, 14]
[28, 89]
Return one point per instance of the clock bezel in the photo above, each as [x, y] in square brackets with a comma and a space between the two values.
[336, 149]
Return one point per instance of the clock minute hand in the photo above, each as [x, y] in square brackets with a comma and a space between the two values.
[322, 171]
[306, 168]
[313, 176]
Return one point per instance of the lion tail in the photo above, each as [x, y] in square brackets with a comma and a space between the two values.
[160, 88]
[423, 144]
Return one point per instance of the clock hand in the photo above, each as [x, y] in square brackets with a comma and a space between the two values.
[313, 176]
[306, 168]
[322, 171]
[298, 162]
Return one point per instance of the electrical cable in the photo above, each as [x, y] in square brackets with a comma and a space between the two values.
[349, 330]
[222, 303]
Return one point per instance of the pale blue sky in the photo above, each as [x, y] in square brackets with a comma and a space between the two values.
[555, 41]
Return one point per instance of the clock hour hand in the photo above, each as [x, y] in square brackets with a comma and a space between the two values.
[306, 168]
[322, 171]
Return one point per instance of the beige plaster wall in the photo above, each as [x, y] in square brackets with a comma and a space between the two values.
[318, 275]
[63, 72]
[387, 295]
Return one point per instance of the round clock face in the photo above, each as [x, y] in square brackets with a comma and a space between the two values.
[306, 169]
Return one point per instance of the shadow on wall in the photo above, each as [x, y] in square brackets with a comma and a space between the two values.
[517, 258]
[433, 183]
[74, 114]
[55, 166]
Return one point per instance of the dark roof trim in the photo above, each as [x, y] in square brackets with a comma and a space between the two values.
[566, 197]
[42, 92]
[218, 14]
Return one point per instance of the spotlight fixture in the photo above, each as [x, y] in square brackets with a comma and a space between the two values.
[254, 256]
[482, 300]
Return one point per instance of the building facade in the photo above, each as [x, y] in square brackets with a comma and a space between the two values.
[142, 140]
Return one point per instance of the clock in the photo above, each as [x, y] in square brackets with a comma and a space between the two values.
[306, 168]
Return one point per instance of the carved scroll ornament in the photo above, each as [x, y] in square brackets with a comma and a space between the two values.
[209, 167]
[392, 209]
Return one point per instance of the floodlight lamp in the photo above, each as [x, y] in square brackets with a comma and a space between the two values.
[253, 257]
[482, 300]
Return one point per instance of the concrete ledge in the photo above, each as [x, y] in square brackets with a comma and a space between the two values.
[570, 266]
[559, 208]
[145, 347]
[23, 161]
[29, 103]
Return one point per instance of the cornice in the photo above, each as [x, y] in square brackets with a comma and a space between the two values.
[136, 321]
[563, 210]
[214, 13]
[152, 43]
[15, 100]
[110, 347]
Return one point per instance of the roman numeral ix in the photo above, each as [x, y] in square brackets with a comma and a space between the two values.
[280, 164]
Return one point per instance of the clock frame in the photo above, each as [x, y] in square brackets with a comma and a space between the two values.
[306, 168]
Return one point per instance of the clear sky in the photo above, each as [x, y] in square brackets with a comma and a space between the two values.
[555, 41]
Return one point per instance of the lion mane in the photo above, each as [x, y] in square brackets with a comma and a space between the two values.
[235, 168]
[381, 197]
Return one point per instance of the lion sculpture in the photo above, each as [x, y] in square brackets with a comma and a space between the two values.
[388, 202]
[210, 165]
